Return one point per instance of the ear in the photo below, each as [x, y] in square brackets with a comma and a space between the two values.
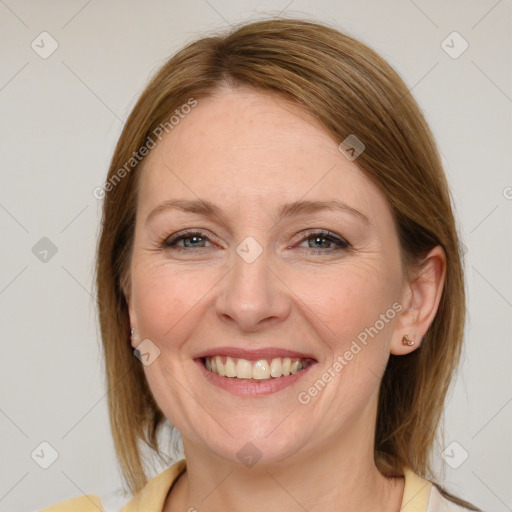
[127, 289]
[420, 299]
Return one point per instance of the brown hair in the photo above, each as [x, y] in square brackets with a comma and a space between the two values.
[350, 90]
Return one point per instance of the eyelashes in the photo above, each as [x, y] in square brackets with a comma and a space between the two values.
[191, 239]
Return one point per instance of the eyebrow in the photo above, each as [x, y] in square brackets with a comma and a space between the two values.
[209, 209]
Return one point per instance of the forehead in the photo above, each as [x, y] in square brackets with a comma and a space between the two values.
[247, 150]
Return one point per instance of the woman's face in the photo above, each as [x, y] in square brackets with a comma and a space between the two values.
[291, 259]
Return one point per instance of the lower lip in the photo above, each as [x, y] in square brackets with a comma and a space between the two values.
[246, 387]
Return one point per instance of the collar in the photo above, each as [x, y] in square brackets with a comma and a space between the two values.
[152, 496]
[416, 492]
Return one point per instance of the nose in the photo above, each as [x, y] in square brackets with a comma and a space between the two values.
[253, 296]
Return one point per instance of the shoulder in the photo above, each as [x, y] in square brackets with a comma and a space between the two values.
[86, 503]
[421, 495]
[151, 497]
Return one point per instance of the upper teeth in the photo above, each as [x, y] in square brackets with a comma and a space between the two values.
[261, 369]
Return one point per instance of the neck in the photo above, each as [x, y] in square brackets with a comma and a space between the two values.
[339, 474]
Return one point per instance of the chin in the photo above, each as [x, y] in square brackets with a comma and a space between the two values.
[265, 443]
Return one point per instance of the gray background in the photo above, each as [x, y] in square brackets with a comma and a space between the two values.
[60, 119]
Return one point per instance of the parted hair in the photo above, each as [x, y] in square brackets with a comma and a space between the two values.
[350, 90]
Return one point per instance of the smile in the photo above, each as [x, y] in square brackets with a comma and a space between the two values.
[262, 369]
[255, 372]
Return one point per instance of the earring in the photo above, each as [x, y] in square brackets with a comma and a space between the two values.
[407, 341]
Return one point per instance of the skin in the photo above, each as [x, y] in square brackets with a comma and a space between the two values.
[249, 153]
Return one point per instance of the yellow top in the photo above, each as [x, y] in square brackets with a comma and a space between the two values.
[419, 496]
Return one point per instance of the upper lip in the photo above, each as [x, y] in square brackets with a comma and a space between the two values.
[254, 354]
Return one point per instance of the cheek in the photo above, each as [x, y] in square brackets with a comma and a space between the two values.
[350, 298]
[166, 296]
[353, 313]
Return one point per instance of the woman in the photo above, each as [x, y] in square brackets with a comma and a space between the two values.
[278, 249]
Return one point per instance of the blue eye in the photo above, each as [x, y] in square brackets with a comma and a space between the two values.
[322, 242]
[191, 240]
